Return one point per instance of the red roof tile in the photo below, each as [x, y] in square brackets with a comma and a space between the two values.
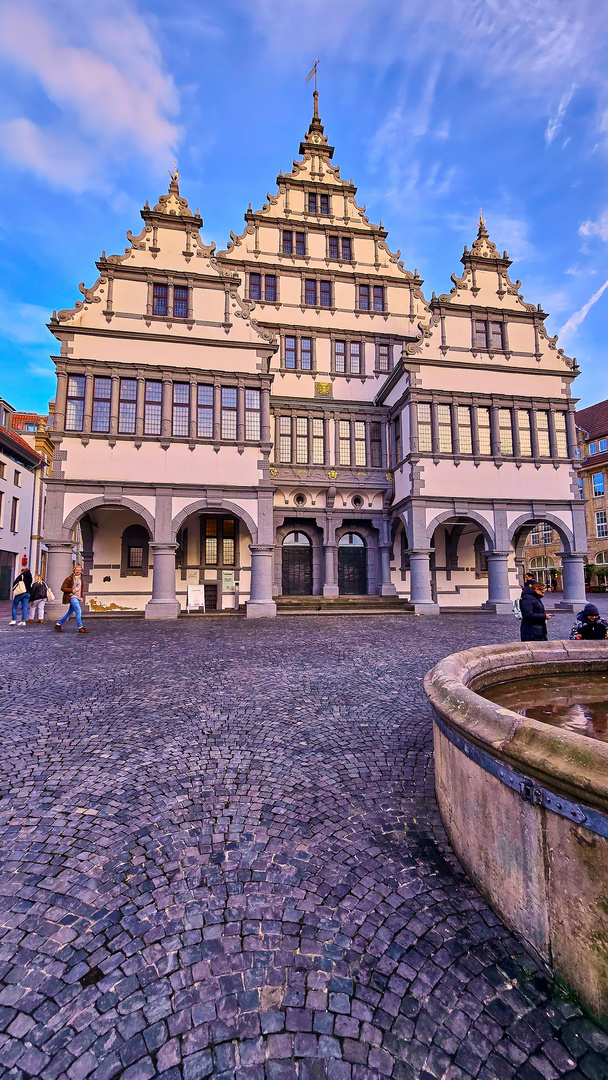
[594, 420]
[13, 437]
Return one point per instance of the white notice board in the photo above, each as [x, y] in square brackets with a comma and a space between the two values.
[196, 598]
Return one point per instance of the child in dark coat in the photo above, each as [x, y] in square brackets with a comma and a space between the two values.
[589, 626]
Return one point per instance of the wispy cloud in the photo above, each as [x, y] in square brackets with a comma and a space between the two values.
[108, 88]
[578, 317]
[555, 122]
[596, 228]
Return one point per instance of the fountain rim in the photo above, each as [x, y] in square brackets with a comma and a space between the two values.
[565, 762]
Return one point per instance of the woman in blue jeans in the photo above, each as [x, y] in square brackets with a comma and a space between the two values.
[73, 594]
[22, 598]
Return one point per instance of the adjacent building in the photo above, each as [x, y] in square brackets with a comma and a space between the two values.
[20, 508]
[291, 416]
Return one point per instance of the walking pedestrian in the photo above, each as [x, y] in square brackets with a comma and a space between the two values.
[589, 626]
[21, 595]
[73, 594]
[39, 595]
[553, 581]
[533, 614]
[528, 578]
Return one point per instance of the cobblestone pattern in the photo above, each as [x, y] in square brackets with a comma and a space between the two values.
[222, 857]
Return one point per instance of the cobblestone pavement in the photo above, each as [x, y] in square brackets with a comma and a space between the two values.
[222, 857]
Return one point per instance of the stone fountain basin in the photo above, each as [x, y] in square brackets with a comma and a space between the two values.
[525, 806]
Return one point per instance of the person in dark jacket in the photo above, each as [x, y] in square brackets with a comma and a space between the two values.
[589, 626]
[38, 598]
[533, 614]
[22, 598]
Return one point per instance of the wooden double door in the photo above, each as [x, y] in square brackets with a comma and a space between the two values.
[297, 570]
[352, 571]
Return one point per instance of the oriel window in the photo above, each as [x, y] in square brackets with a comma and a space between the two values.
[318, 442]
[127, 409]
[301, 440]
[375, 444]
[359, 440]
[444, 426]
[525, 434]
[153, 408]
[344, 442]
[285, 439]
[561, 438]
[252, 415]
[484, 430]
[465, 440]
[74, 410]
[229, 397]
[425, 434]
[542, 433]
[160, 299]
[204, 417]
[505, 431]
[102, 390]
[181, 409]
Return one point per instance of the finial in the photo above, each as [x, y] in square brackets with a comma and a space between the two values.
[315, 98]
[482, 220]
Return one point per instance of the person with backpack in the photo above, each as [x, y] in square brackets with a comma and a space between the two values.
[533, 614]
[589, 626]
[39, 595]
[73, 594]
[21, 595]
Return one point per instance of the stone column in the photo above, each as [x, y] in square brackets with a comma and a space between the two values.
[261, 604]
[571, 430]
[385, 547]
[58, 567]
[266, 432]
[114, 405]
[499, 596]
[164, 604]
[141, 405]
[573, 574]
[193, 406]
[330, 587]
[166, 424]
[420, 579]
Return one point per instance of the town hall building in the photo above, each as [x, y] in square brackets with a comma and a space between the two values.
[290, 416]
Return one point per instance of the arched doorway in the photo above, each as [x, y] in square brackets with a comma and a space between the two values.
[297, 565]
[352, 565]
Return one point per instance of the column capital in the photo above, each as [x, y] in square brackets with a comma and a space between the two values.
[59, 545]
[497, 554]
[162, 545]
[261, 549]
[574, 556]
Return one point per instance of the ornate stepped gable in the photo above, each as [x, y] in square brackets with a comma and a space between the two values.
[168, 248]
[486, 293]
[260, 245]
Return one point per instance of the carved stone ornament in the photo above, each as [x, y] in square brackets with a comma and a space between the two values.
[324, 389]
[272, 471]
[333, 474]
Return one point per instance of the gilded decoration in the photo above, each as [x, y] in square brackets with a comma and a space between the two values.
[324, 389]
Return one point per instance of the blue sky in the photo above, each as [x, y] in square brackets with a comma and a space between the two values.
[435, 109]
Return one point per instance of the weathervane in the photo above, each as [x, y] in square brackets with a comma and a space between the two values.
[313, 71]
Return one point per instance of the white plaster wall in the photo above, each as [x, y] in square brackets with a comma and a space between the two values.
[486, 481]
[151, 464]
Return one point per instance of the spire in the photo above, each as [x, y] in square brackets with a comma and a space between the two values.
[315, 141]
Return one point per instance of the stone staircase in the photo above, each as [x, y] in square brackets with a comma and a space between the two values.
[342, 605]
